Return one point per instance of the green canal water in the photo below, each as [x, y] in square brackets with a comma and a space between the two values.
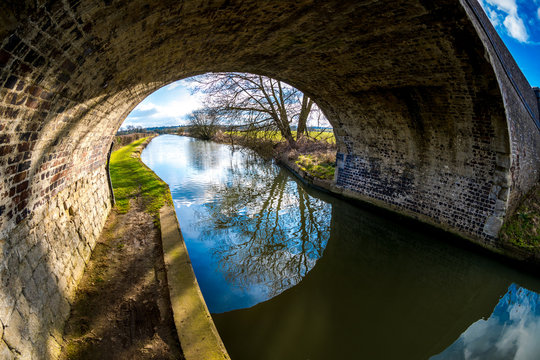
[292, 273]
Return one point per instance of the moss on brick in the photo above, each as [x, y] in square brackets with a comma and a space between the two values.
[523, 228]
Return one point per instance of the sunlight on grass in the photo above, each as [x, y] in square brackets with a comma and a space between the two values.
[276, 135]
[321, 168]
[131, 178]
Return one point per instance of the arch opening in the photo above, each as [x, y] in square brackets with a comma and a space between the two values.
[427, 127]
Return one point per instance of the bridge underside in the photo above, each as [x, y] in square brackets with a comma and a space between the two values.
[428, 122]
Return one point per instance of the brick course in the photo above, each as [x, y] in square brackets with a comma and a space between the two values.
[427, 122]
[45, 258]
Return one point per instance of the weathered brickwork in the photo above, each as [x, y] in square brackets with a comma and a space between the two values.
[464, 188]
[41, 263]
[428, 122]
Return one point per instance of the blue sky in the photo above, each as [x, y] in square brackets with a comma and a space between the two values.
[167, 106]
[518, 24]
[516, 21]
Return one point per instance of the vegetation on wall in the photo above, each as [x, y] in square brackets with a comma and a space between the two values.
[523, 228]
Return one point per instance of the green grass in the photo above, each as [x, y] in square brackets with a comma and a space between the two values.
[131, 178]
[312, 165]
[276, 135]
[322, 136]
[523, 228]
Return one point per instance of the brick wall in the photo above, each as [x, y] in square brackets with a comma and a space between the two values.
[426, 122]
[42, 262]
[446, 167]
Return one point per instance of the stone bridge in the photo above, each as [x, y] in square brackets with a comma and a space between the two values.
[433, 117]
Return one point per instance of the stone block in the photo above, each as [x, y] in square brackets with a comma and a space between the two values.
[63, 284]
[24, 271]
[41, 275]
[503, 160]
[33, 294]
[79, 269]
[64, 309]
[39, 349]
[23, 305]
[5, 353]
[493, 225]
[52, 285]
[53, 348]
[34, 256]
[7, 303]
[16, 332]
[34, 324]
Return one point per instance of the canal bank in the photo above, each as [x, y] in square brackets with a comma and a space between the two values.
[519, 238]
[342, 284]
[125, 306]
[259, 329]
[195, 327]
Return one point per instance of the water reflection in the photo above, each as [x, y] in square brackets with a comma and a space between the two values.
[382, 290]
[251, 230]
[272, 231]
[511, 332]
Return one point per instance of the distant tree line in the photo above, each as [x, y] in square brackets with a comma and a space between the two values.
[130, 129]
[152, 130]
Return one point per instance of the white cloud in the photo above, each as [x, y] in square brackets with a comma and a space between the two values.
[166, 107]
[145, 106]
[516, 28]
[173, 85]
[538, 13]
[174, 109]
[513, 23]
[508, 6]
[494, 16]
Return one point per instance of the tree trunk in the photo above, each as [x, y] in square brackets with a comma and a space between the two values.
[287, 134]
[307, 103]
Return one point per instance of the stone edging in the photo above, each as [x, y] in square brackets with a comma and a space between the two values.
[138, 150]
[196, 330]
[319, 184]
[506, 253]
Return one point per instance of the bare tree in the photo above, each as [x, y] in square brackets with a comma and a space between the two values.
[250, 102]
[203, 123]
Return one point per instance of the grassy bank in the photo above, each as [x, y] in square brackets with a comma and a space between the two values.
[276, 136]
[122, 308]
[315, 155]
[318, 166]
[131, 178]
[523, 228]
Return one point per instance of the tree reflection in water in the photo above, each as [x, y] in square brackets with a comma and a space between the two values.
[272, 231]
[384, 289]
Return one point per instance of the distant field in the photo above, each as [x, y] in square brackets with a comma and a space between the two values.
[276, 136]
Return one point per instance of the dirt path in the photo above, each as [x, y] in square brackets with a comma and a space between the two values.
[122, 308]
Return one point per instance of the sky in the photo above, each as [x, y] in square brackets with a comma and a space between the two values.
[516, 21]
[168, 106]
[518, 24]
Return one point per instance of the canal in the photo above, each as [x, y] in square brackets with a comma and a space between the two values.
[292, 273]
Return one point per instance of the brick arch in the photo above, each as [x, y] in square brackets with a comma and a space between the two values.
[428, 121]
